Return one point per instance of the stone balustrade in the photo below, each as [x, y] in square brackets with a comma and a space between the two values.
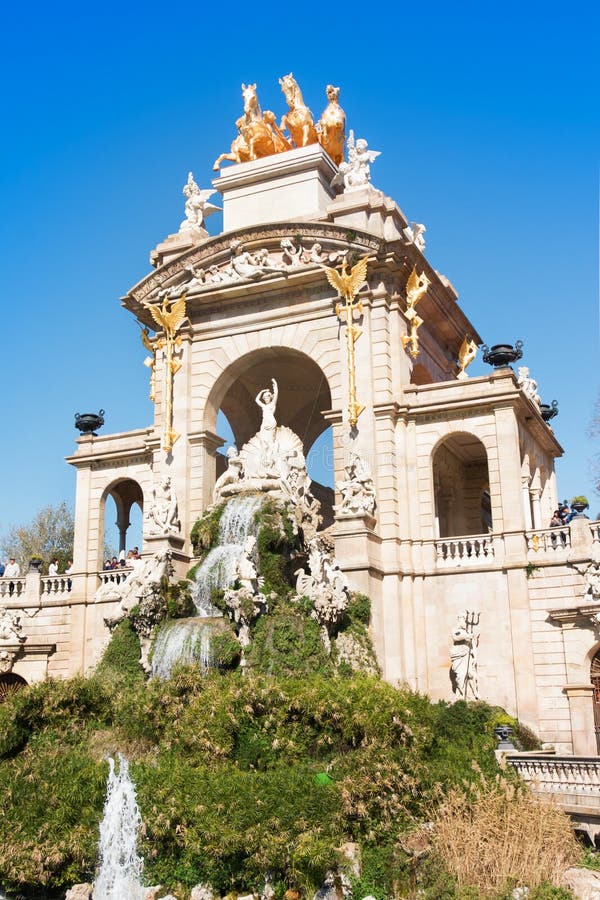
[114, 576]
[55, 584]
[573, 780]
[470, 550]
[548, 541]
[11, 588]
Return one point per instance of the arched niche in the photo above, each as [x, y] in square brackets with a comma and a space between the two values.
[128, 503]
[461, 486]
[10, 683]
[304, 394]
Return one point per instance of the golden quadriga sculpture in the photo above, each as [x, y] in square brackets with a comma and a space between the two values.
[259, 135]
[348, 284]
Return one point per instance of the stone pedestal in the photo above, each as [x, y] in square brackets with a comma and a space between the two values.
[156, 543]
[176, 244]
[286, 186]
[581, 699]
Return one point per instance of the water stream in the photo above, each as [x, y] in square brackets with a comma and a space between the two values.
[186, 641]
[120, 866]
[219, 567]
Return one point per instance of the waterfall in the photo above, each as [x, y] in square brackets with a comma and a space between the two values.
[120, 866]
[182, 642]
[219, 567]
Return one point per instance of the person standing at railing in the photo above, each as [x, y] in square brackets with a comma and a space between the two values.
[2, 567]
[13, 570]
[53, 568]
[68, 573]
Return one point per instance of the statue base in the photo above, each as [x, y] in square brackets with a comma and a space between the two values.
[176, 244]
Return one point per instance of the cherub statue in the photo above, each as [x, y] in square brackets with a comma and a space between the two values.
[356, 172]
[528, 385]
[415, 233]
[197, 206]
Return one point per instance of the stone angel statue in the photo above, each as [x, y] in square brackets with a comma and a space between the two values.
[197, 207]
[356, 172]
[347, 284]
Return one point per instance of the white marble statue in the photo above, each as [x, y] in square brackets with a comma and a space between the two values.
[357, 489]
[463, 657]
[232, 474]
[356, 172]
[415, 233]
[197, 207]
[325, 585]
[252, 265]
[11, 630]
[528, 385]
[267, 401]
[163, 517]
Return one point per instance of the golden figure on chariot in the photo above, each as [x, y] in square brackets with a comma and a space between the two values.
[259, 135]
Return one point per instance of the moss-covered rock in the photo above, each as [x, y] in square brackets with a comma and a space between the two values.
[205, 531]
[288, 642]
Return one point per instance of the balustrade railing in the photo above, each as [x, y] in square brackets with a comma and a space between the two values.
[11, 588]
[549, 541]
[570, 778]
[464, 551]
[114, 576]
[55, 584]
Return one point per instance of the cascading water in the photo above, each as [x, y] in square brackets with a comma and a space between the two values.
[120, 872]
[219, 568]
[182, 642]
[187, 641]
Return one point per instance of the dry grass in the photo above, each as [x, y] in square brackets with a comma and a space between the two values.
[497, 832]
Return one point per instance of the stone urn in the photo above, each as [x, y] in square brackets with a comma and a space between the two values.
[88, 423]
[35, 564]
[579, 506]
[502, 354]
[549, 410]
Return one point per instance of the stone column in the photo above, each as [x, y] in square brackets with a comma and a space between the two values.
[536, 507]
[581, 708]
[525, 481]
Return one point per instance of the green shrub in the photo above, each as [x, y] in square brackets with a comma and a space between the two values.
[287, 643]
[205, 531]
[225, 649]
[122, 654]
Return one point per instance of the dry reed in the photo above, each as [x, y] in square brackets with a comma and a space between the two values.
[497, 833]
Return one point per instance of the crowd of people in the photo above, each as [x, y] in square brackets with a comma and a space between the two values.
[562, 516]
[122, 561]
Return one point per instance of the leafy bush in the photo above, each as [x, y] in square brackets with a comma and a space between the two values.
[286, 642]
[122, 653]
[205, 531]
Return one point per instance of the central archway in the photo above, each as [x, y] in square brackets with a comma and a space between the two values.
[304, 394]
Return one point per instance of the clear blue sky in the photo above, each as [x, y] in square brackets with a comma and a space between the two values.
[486, 116]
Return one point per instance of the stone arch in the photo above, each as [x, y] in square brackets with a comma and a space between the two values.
[125, 492]
[10, 683]
[461, 481]
[304, 393]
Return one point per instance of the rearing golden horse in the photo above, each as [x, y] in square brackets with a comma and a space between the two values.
[258, 134]
[298, 120]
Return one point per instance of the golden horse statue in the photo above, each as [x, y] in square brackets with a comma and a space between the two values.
[332, 126]
[258, 133]
[298, 120]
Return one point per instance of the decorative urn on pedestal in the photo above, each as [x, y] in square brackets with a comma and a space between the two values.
[88, 423]
[549, 410]
[502, 354]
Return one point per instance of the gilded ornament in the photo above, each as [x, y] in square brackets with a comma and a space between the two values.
[348, 284]
[466, 355]
[169, 317]
[416, 288]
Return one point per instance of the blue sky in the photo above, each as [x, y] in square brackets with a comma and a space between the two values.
[486, 117]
